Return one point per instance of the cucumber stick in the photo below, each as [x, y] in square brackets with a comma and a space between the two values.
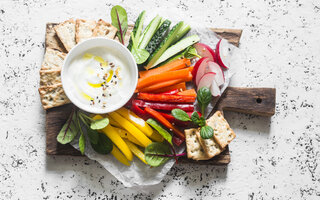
[183, 31]
[149, 32]
[158, 36]
[166, 42]
[176, 48]
[137, 29]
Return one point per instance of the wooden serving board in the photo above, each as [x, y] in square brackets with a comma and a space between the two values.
[258, 101]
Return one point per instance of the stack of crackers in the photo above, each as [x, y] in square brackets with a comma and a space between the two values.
[205, 149]
[60, 39]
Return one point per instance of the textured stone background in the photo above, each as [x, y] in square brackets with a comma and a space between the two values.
[275, 158]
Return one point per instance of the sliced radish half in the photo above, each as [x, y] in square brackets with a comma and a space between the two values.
[196, 67]
[206, 80]
[223, 53]
[205, 51]
[215, 68]
[215, 90]
[202, 69]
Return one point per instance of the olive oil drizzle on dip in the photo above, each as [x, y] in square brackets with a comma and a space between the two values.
[97, 78]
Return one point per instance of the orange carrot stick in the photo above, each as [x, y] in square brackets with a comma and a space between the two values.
[190, 92]
[174, 65]
[180, 86]
[165, 76]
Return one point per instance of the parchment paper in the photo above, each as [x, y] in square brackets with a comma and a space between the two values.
[139, 174]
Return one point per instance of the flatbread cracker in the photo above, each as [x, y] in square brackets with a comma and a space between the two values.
[127, 35]
[53, 96]
[222, 134]
[66, 32]
[194, 149]
[53, 59]
[52, 39]
[84, 29]
[50, 77]
[210, 147]
[104, 29]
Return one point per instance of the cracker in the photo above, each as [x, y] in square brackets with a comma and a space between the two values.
[210, 147]
[53, 96]
[194, 149]
[66, 32]
[84, 29]
[52, 39]
[50, 77]
[127, 35]
[222, 134]
[104, 29]
[53, 59]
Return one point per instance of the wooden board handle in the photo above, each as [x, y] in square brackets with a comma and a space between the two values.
[256, 101]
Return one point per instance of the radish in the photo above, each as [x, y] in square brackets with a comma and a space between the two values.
[206, 80]
[202, 69]
[223, 53]
[205, 51]
[215, 90]
[196, 67]
[215, 68]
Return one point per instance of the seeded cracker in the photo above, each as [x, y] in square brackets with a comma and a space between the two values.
[66, 32]
[53, 59]
[210, 147]
[52, 39]
[104, 29]
[53, 96]
[84, 29]
[194, 149]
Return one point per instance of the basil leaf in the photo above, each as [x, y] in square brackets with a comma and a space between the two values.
[82, 143]
[93, 136]
[180, 115]
[206, 132]
[195, 117]
[104, 144]
[191, 52]
[99, 123]
[120, 21]
[151, 151]
[69, 130]
[165, 134]
[204, 97]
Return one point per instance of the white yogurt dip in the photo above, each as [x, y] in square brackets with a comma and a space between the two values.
[98, 78]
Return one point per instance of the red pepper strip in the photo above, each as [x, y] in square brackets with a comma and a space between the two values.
[173, 120]
[174, 91]
[165, 122]
[166, 98]
[163, 106]
[138, 111]
[177, 141]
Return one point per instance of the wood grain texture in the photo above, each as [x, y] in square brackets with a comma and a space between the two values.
[234, 99]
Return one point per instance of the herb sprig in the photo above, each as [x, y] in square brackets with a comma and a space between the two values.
[120, 21]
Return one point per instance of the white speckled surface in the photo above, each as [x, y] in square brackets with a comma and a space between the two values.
[275, 158]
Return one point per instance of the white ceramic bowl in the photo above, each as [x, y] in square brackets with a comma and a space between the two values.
[115, 48]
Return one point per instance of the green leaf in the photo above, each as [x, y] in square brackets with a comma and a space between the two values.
[140, 55]
[196, 119]
[155, 148]
[82, 143]
[204, 97]
[104, 144]
[180, 115]
[165, 134]
[191, 52]
[99, 123]
[69, 130]
[206, 132]
[120, 21]
[202, 121]
[93, 136]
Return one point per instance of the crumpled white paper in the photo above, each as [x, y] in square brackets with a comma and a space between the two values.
[139, 174]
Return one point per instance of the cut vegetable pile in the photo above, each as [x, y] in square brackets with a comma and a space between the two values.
[176, 71]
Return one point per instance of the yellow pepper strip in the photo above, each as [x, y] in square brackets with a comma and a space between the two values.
[113, 122]
[135, 120]
[116, 139]
[156, 136]
[119, 156]
[142, 138]
[124, 134]
[136, 151]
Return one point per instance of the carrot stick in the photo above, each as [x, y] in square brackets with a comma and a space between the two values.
[169, 98]
[174, 65]
[165, 122]
[165, 76]
[190, 92]
[180, 86]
